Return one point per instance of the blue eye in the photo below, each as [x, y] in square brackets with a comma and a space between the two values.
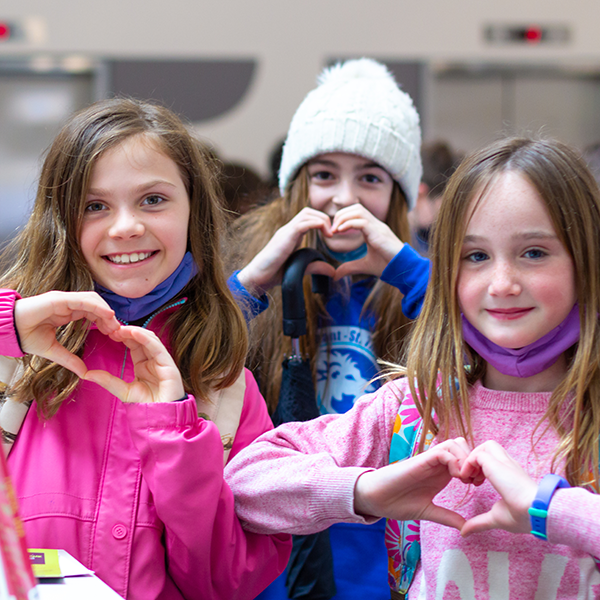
[95, 207]
[535, 253]
[477, 256]
[153, 200]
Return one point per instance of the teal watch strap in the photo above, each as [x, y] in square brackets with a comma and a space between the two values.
[538, 512]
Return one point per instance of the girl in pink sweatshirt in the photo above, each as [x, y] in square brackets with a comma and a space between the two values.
[122, 361]
[501, 388]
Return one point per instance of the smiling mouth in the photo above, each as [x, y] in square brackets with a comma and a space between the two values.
[509, 313]
[127, 259]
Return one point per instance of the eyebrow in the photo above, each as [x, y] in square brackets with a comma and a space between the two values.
[526, 235]
[139, 189]
[331, 163]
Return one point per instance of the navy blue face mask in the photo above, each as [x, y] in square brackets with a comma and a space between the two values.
[132, 309]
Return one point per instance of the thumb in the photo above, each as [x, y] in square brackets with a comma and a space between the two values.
[444, 516]
[60, 355]
[482, 522]
[117, 387]
[354, 267]
[320, 267]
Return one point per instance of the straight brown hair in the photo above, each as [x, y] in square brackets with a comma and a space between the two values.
[437, 353]
[208, 333]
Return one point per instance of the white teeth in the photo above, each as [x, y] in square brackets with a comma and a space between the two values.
[123, 259]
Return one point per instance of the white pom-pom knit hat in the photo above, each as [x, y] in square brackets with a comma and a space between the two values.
[357, 108]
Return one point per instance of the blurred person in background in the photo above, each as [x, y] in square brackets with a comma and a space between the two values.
[439, 162]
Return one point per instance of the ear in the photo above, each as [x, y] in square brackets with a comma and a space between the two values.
[423, 189]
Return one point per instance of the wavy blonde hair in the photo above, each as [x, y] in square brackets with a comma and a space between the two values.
[268, 345]
[208, 334]
[572, 198]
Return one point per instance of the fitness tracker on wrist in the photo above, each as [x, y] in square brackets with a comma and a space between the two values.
[539, 507]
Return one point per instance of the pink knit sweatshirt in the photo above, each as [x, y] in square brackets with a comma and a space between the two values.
[300, 478]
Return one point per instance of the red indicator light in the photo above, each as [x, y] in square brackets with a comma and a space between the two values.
[533, 35]
[4, 31]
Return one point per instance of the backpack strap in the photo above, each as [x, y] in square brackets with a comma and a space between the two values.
[224, 409]
[12, 413]
[402, 538]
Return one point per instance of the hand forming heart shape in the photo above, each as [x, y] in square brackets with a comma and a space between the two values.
[516, 488]
[37, 318]
[405, 490]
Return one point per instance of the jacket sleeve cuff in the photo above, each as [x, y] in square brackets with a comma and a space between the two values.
[251, 306]
[162, 415]
[8, 331]
[409, 272]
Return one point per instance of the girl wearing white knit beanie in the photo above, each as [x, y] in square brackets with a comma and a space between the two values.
[350, 172]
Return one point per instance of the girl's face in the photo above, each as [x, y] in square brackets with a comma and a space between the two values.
[135, 228]
[337, 180]
[516, 280]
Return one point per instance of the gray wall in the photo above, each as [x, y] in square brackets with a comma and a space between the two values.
[289, 42]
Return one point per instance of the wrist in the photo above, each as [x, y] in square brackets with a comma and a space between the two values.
[538, 512]
[362, 506]
[250, 282]
[393, 249]
[178, 395]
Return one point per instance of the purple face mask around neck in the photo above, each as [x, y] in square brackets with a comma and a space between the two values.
[531, 359]
[131, 309]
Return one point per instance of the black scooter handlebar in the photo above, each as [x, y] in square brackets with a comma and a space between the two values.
[292, 294]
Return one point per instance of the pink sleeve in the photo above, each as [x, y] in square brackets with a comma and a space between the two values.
[574, 520]
[9, 341]
[209, 555]
[300, 477]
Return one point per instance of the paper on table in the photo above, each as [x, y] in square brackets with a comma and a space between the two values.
[77, 582]
[55, 563]
[71, 567]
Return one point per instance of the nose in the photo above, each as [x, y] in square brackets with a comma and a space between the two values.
[126, 224]
[505, 280]
[345, 194]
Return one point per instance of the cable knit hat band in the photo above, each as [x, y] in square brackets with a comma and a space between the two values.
[357, 108]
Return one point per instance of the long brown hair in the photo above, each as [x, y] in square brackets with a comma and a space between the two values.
[572, 198]
[268, 345]
[208, 334]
